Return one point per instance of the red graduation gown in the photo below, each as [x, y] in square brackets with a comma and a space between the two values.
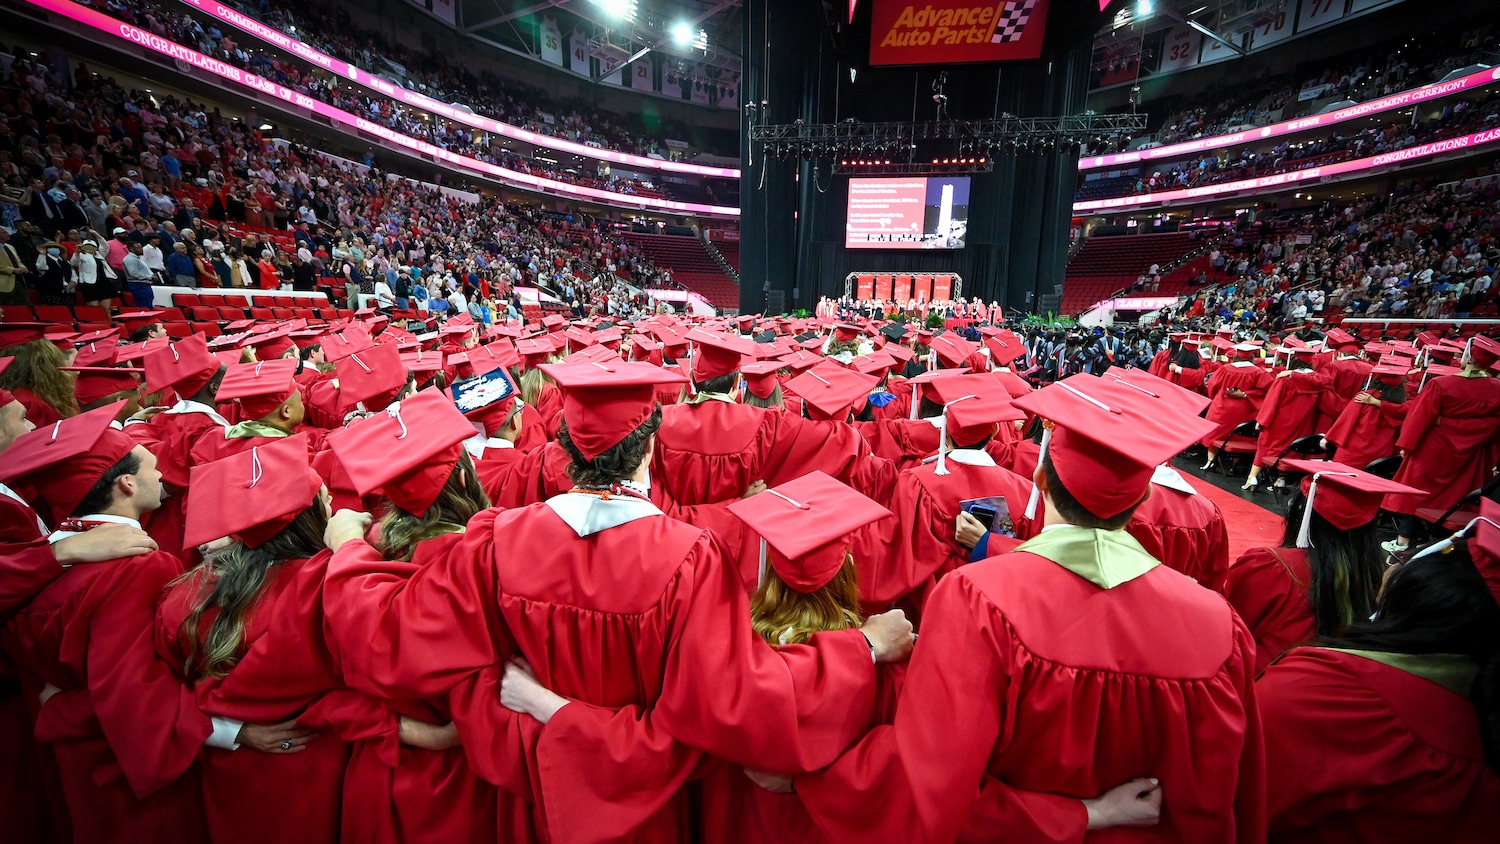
[1365, 433]
[549, 405]
[38, 412]
[286, 670]
[1186, 532]
[713, 450]
[170, 437]
[124, 731]
[1012, 714]
[1361, 751]
[1452, 440]
[1290, 411]
[396, 794]
[27, 565]
[903, 441]
[640, 614]
[903, 555]
[1268, 587]
[1231, 411]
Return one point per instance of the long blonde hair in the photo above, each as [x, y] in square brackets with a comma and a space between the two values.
[457, 502]
[784, 616]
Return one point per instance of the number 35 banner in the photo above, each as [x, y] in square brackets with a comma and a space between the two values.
[551, 38]
[956, 31]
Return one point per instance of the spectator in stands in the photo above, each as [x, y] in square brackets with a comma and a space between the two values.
[180, 266]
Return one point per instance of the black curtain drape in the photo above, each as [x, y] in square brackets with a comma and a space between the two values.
[798, 59]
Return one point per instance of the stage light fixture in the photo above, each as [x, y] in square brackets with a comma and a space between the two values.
[682, 33]
[623, 10]
[1144, 8]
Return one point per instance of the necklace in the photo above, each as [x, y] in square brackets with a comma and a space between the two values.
[611, 492]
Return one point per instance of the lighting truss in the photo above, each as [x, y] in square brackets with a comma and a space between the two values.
[975, 143]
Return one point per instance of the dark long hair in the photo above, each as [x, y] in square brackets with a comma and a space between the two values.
[1346, 567]
[232, 582]
[1440, 604]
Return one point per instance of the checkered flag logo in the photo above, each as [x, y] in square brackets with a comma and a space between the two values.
[1012, 21]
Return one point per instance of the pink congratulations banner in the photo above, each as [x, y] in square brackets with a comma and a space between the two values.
[1471, 82]
[342, 118]
[378, 85]
[1311, 174]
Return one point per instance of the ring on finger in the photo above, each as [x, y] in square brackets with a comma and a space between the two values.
[286, 745]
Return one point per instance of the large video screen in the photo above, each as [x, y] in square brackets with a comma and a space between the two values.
[908, 212]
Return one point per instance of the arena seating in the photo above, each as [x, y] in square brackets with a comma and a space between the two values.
[691, 265]
[1107, 264]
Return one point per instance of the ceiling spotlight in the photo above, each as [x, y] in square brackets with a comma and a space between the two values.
[623, 10]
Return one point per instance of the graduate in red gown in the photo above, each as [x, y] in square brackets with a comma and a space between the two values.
[268, 399]
[245, 631]
[1366, 429]
[1450, 439]
[33, 378]
[124, 732]
[1148, 675]
[1326, 571]
[903, 556]
[189, 369]
[427, 492]
[1350, 372]
[1182, 529]
[1388, 733]
[28, 563]
[1236, 391]
[1289, 412]
[713, 448]
[616, 605]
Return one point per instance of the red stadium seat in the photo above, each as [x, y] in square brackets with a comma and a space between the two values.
[237, 301]
[203, 314]
[231, 314]
[53, 313]
[184, 300]
[172, 315]
[281, 313]
[262, 314]
[91, 313]
[18, 313]
[304, 313]
[178, 329]
[208, 329]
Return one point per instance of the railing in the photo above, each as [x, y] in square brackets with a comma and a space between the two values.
[718, 256]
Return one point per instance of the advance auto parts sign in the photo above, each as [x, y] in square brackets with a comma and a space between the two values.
[955, 31]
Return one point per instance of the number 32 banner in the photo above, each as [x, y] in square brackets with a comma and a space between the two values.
[956, 31]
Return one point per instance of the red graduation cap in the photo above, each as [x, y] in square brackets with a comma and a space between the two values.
[831, 391]
[344, 342]
[760, 378]
[111, 336]
[745, 321]
[251, 496]
[422, 362]
[132, 352]
[21, 333]
[799, 360]
[952, 350]
[717, 354]
[1483, 351]
[598, 354]
[136, 320]
[1180, 397]
[372, 377]
[487, 401]
[928, 377]
[496, 355]
[604, 402]
[1005, 346]
[1338, 338]
[61, 462]
[807, 524]
[875, 364]
[260, 387]
[1391, 373]
[643, 348]
[1108, 438]
[306, 337]
[185, 366]
[554, 321]
[97, 383]
[99, 353]
[844, 332]
[534, 352]
[406, 453]
[973, 405]
[272, 344]
[1343, 495]
[902, 355]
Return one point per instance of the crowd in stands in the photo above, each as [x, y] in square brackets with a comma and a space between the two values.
[210, 202]
[1422, 253]
[485, 94]
[1396, 65]
[1460, 118]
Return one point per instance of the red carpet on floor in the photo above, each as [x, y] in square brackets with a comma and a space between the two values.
[1250, 525]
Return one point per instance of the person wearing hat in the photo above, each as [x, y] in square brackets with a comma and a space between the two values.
[1292, 410]
[127, 731]
[1013, 718]
[35, 377]
[1235, 392]
[1350, 372]
[762, 383]
[243, 631]
[98, 281]
[97, 386]
[1450, 439]
[426, 491]
[932, 533]
[54, 275]
[642, 597]
[265, 397]
[1387, 732]
[1366, 430]
[142, 325]
[714, 448]
[187, 368]
[1326, 571]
